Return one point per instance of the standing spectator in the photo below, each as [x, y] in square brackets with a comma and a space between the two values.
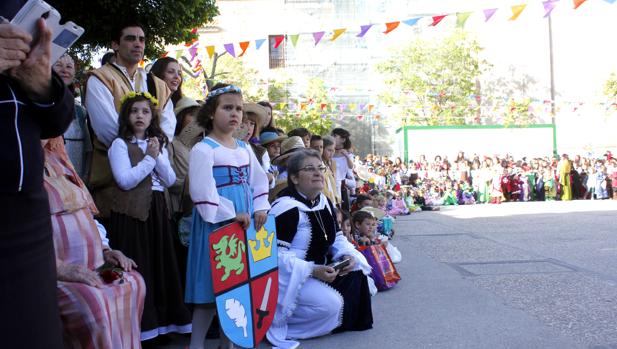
[302, 133]
[270, 120]
[169, 70]
[345, 181]
[37, 105]
[77, 137]
[104, 92]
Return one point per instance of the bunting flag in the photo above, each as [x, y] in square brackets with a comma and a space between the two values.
[294, 39]
[461, 18]
[549, 6]
[302, 106]
[259, 42]
[413, 21]
[230, 49]
[391, 26]
[370, 107]
[317, 37]
[517, 10]
[193, 52]
[488, 13]
[364, 29]
[278, 40]
[437, 19]
[178, 54]
[352, 107]
[323, 106]
[362, 106]
[337, 33]
[210, 50]
[578, 3]
[282, 105]
[342, 107]
[244, 45]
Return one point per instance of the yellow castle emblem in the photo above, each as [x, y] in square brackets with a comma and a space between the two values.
[265, 247]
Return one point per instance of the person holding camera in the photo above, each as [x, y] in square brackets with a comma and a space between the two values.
[317, 294]
[34, 105]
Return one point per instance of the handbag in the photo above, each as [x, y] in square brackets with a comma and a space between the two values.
[383, 271]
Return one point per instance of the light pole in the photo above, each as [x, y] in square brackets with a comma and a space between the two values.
[550, 47]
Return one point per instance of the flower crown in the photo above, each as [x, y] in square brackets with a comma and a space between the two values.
[220, 91]
[133, 94]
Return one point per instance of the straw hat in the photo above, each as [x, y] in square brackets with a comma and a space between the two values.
[256, 109]
[376, 212]
[288, 147]
[268, 137]
[184, 103]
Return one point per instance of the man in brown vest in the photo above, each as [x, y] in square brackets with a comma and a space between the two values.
[105, 88]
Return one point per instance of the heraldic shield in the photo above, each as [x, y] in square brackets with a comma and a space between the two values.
[245, 279]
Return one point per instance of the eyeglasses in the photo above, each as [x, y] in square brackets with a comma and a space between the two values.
[313, 169]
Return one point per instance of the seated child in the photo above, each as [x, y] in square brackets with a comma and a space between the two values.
[361, 202]
[398, 206]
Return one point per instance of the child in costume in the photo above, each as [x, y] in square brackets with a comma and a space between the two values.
[226, 184]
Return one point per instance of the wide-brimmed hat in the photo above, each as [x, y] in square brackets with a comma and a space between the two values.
[184, 103]
[260, 111]
[268, 137]
[288, 147]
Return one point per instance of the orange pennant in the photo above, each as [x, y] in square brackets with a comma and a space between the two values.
[370, 107]
[391, 26]
[437, 19]
[516, 11]
[244, 45]
[337, 33]
[302, 106]
[210, 50]
[323, 106]
[578, 3]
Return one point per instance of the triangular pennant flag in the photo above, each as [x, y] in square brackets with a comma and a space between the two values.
[370, 107]
[317, 36]
[342, 107]
[549, 6]
[244, 45]
[278, 40]
[259, 42]
[412, 21]
[294, 39]
[516, 11]
[193, 52]
[352, 107]
[578, 3]
[461, 18]
[281, 106]
[488, 13]
[362, 106]
[360, 117]
[230, 49]
[210, 50]
[437, 19]
[323, 106]
[391, 26]
[337, 33]
[364, 29]
[178, 54]
[302, 106]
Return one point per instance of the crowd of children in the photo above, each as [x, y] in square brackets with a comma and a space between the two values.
[399, 188]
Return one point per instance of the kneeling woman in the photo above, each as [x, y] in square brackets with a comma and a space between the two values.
[314, 299]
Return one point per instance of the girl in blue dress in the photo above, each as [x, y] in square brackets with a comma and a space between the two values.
[227, 184]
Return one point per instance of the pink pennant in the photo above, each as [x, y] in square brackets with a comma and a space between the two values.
[549, 6]
[317, 36]
[278, 40]
[193, 52]
[488, 13]
[437, 19]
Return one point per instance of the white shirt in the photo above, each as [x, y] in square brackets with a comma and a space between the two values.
[128, 177]
[343, 172]
[102, 110]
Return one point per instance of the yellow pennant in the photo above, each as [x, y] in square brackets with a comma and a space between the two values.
[516, 11]
[210, 50]
[337, 33]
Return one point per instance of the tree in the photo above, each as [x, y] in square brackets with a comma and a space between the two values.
[610, 87]
[309, 113]
[165, 21]
[434, 81]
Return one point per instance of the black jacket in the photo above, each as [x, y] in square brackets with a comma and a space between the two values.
[23, 124]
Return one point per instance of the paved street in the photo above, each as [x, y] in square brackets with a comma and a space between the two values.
[516, 275]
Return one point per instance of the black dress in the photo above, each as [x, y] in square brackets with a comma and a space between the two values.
[353, 287]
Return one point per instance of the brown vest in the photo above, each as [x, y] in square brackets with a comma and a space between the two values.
[134, 202]
[101, 179]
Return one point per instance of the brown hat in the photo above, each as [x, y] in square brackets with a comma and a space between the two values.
[184, 103]
[288, 147]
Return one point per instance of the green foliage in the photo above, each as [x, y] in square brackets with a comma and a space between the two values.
[434, 81]
[165, 21]
[312, 117]
[610, 87]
